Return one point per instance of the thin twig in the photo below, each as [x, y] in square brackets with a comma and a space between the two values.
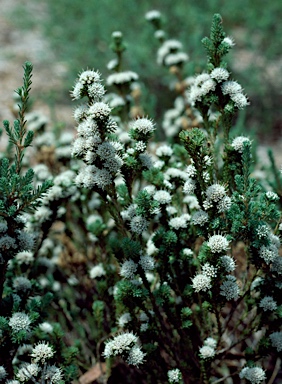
[226, 377]
[275, 371]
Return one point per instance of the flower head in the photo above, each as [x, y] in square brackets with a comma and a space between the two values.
[28, 371]
[268, 254]
[3, 373]
[135, 356]
[143, 126]
[20, 321]
[229, 41]
[138, 224]
[267, 303]
[97, 271]
[41, 352]
[54, 374]
[218, 243]
[46, 327]
[276, 340]
[215, 192]
[174, 376]
[124, 319]
[147, 263]
[228, 263]
[201, 282]
[255, 374]
[21, 283]
[219, 74]
[231, 88]
[120, 344]
[99, 111]
[180, 222]
[207, 352]
[128, 269]
[153, 15]
[163, 197]
[122, 78]
[229, 288]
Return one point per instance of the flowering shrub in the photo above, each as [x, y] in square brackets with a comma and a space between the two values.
[163, 257]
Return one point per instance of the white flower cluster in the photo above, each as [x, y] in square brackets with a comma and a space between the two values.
[138, 224]
[46, 327]
[229, 288]
[202, 85]
[121, 78]
[179, 222]
[7, 242]
[175, 173]
[147, 263]
[27, 372]
[177, 58]
[170, 53]
[84, 84]
[200, 218]
[219, 74]
[41, 352]
[269, 253]
[162, 196]
[272, 196]
[201, 282]
[151, 248]
[142, 126]
[262, 231]
[255, 374]
[21, 241]
[124, 319]
[216, 196]
[208, 349]
[20, 321]
[153, 15]
[164, 151]
[175, 118]
[267, 303]
[103, 158]
[218, 243]
[235, 92]
[21, 283]
[277, 265]
[209, 270]
[174, 376]
[126, 345]
[3, 372]
[276, 340]
[238, 143]
[97, 271]
[30, 372]
[25, 257]
[129, 212]
[189, 186]
[192, 202]
[63, 186]
[228, 263]
[143, 317]
[229, 41]
[128, 269]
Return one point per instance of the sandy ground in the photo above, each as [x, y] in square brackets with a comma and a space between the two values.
[18, 46]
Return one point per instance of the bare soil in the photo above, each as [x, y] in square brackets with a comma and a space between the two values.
[18, 45]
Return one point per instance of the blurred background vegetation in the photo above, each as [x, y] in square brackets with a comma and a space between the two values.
[80, 33]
